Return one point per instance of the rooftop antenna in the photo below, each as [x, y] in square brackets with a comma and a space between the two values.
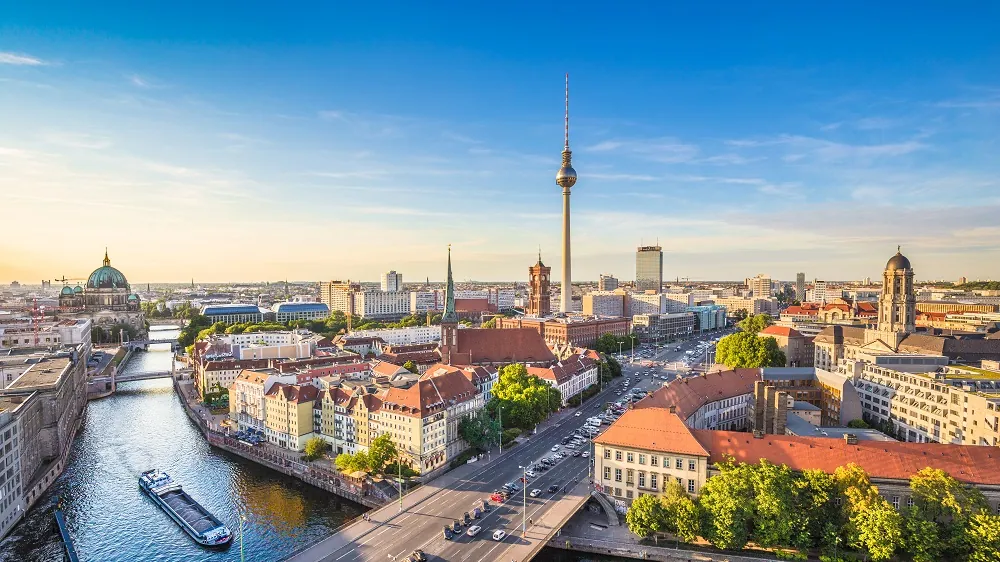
[566, 144]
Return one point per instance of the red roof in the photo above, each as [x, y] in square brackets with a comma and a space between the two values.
[690, 393]
[564, 370]
[652, 429]
[294, 393]
[800, 310]
[880, 459]
[521, 345]
[783, 331]
[472, 305]
[439, 387]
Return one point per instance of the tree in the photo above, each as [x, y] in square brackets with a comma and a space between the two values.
[352, 463]
[491, 323]
[479, 429]
[525, 399]
[754, 324]
[727, 504]
[612, 366]
[739, 314]
[381, 451]
[858, 424]
[682, 517]
[983, 535]
[747, 350]
[943, 503]
[646, 516]
[872, 524]
[814, 504]
[411, 367]
[315, 447]
[775, 519]
[607, 343]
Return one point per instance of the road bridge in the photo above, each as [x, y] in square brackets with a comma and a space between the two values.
[393, 532]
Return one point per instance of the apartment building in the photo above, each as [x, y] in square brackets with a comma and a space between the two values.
[288, 414]
[715, 400]
[798, 349]
[664, 327]
[957, 405]
[570, 376]
[577, 331]
[246, 396]
[605, 303]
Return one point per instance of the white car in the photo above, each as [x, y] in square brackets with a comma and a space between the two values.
[473, 530]
[585, 454]
[555, 447]
[535, 493]
[498, 535]
[530, 474]
[578, 414]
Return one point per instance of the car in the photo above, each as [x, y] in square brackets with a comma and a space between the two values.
[565, 440]
[578, 414]
[535, 493]
[498, 535]
[466, 519]
[418, 556]
[530, 474]
[555, 447]
[499, 498]
[456, 526]
[585, 454]
[553, 488]
[522, 480]
[473, 530]
[576, 453]
[447, 533]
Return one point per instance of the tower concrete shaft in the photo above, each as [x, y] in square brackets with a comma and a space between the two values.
[566, 178]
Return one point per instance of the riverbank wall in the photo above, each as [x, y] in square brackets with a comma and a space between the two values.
[325, 480]
[640, 552]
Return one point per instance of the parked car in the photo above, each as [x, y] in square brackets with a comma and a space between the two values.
[473, 530]
[530, 474]
[448, 533]
[456, 527]
[499, 498]
[498, 535]
[418, 556]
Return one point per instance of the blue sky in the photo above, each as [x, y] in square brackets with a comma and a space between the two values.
[311, 141]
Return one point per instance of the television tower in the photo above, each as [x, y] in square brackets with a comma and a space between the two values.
[566, 178]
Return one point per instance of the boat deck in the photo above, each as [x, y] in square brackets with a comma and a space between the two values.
[191, 511]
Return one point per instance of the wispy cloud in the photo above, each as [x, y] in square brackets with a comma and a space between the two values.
[20, 59]
[829, 150]
[991, 102]
[77, 140]
[138, 81]
[665, 150]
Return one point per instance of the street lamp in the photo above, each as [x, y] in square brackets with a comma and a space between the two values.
[524, 489]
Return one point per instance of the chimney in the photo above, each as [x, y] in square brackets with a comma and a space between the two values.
[758, 434]
[673, 409]
[851, 439]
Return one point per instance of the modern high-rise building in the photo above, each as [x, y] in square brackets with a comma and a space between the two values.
[760, 285]
[538, 289]
[338, 295]
[800, 287]
[649, 268]
[607, 283]
[819, 291]
[392, 281]
[566, 179]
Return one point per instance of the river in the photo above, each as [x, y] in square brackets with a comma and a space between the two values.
[143, 426]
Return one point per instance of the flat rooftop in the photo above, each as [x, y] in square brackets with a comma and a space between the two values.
[42, 373]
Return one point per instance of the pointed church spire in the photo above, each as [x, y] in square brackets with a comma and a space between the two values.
[449, 316]
[107, 262]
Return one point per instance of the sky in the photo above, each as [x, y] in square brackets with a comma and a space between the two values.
[314, 141]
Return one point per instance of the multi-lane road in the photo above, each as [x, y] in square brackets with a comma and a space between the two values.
[392, 536]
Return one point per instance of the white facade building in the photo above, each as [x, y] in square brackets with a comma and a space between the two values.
[642, 303]
[381, 304]
[12, 505]
[402, 336]
[392, 281]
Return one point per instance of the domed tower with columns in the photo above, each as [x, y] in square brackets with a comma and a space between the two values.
[897, 306]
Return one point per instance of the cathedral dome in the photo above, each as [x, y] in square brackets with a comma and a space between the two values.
[67, 290]
[77, 290]
[898, 261]
[107, 277]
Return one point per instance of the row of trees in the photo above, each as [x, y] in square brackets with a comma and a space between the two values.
[159, 309]
[773, 507]
[610, 343]
[746, 349]
[373, 461]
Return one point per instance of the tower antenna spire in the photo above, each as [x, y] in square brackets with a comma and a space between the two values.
[566, 146]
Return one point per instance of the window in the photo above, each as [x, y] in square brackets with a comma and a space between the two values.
[618, 492]
[618, 455]
[642, 479]
[642, 459]
[628, 494]
[691, 465]
[652, 483]
[690, 486]
[909, 501]
[629, 476]
[607, 473]
[607, 453]
[679, 464]
[630, 457]
[618, 475]
[652, 460]
[895, 502]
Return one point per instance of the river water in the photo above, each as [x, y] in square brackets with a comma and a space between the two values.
[144, 426]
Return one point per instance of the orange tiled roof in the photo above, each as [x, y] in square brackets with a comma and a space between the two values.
[783, 331]
[652, 429]
[293, 392]
[690, 393]
[522, 345]
[886, 460]
[437, 388]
